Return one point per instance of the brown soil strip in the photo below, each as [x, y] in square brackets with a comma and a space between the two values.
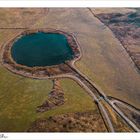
[56, 98]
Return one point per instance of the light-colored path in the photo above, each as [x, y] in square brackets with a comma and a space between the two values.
[97, 95]
[123, 104]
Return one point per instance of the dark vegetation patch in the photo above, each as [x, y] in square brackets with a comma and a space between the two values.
[118, 18]
[136, 118]
[56, 98]
[132, 114]
[126, 28]
[73, 122]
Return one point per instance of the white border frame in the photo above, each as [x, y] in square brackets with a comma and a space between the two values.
[71, 136]
[70, 3]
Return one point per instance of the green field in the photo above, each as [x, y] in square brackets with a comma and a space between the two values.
[19, 98]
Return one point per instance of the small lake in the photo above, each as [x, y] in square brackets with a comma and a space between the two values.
[41, 49]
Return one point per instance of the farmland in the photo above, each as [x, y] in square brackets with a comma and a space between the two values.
[103, 61]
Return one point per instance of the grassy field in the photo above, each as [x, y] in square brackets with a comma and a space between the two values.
[104, 61]
[77, 100]
[25, 17]
[19, 98]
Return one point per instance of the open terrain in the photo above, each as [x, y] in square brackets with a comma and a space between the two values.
[126, 27]
[104, 62]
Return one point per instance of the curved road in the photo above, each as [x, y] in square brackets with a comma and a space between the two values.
[97, 94]
[100, 95]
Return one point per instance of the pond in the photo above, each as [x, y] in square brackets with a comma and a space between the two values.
[41, 49]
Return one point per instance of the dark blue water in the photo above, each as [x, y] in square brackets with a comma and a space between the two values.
[41, 49]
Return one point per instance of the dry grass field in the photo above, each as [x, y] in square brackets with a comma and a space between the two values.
[104, 61]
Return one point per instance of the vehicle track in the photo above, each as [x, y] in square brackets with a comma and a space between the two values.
[99, 95]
